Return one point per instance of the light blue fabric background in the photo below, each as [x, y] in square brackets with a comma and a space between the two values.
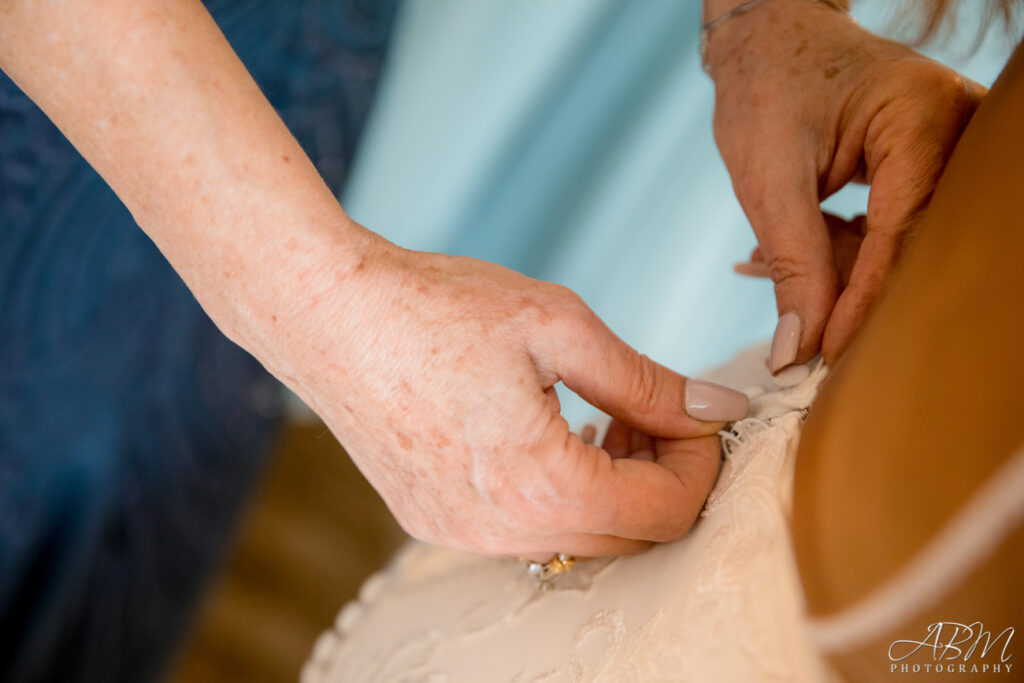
[572, 141]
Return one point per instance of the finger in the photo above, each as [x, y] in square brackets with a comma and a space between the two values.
[641, 446]
[616, 441]
[900, 190]
[752, 269]
[904, 154]
[794, 243]
[846, 236]
[578, 545]
[876, 261]
[552, 397]
[589, 433]
[651, 501]
[639, 441]
[608, 373]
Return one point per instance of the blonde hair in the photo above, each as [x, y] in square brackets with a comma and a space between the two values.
[930, 18]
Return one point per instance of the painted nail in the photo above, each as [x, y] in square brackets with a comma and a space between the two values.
[751, 269]
[588, 433]
[785, 342]
[791, 375]
[714, 403]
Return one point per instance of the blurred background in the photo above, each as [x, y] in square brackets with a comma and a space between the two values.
[570, 141]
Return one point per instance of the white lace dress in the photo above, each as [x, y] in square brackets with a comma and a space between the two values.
[722, 604]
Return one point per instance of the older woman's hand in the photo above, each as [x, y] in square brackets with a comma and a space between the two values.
[806, 101]
[437, 375]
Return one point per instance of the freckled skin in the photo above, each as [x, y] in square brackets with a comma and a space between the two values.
[435, 372]
[796, 124]
[404, 441]
[489, 465]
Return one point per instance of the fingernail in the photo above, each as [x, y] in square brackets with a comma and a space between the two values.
[791, 375]
[588, 433]
[714, 403]
[751, 268]
[785, 342]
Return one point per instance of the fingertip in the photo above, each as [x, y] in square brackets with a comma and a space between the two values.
[714, 403]
[785, 341]
[839, 334]
[589, 433]
[754, 269]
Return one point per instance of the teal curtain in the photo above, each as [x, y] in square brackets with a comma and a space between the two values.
[572, 141]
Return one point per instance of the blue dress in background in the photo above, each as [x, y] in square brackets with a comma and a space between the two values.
[131, 429]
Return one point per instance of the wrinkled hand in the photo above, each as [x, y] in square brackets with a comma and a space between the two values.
[440, 384]
[805, 102]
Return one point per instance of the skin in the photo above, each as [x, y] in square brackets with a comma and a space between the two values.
[876, 479]
[436, 373]
[807, 101]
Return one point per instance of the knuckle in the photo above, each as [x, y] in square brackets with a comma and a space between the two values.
[575, 306]
[646, 383]
[519, 499]
[558, 305]
[534, 498]
[577, 316]
[945, 96]
[787, 270]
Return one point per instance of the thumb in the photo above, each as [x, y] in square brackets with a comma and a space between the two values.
[606, 372]
[794, 243]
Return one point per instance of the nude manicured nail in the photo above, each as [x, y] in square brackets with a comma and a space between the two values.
[791, 375]
[589, 433]
[785, 342]
[751, 269]
[714, 403]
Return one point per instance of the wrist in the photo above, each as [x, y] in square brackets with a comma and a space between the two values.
[716, 9]
[288, 279]
[728, 24]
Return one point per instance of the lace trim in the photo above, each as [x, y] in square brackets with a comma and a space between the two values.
[738, 560]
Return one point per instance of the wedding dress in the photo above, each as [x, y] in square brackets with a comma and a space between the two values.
[721, 604]
[487, 178]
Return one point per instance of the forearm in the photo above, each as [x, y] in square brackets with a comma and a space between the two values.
[154, 98]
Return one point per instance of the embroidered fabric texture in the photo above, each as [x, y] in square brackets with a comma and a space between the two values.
[723, 603]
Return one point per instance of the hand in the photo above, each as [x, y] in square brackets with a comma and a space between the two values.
[806, 101]
[439, 381]
[436, 373]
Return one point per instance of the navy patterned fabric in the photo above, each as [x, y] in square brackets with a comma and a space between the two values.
[130, 428]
